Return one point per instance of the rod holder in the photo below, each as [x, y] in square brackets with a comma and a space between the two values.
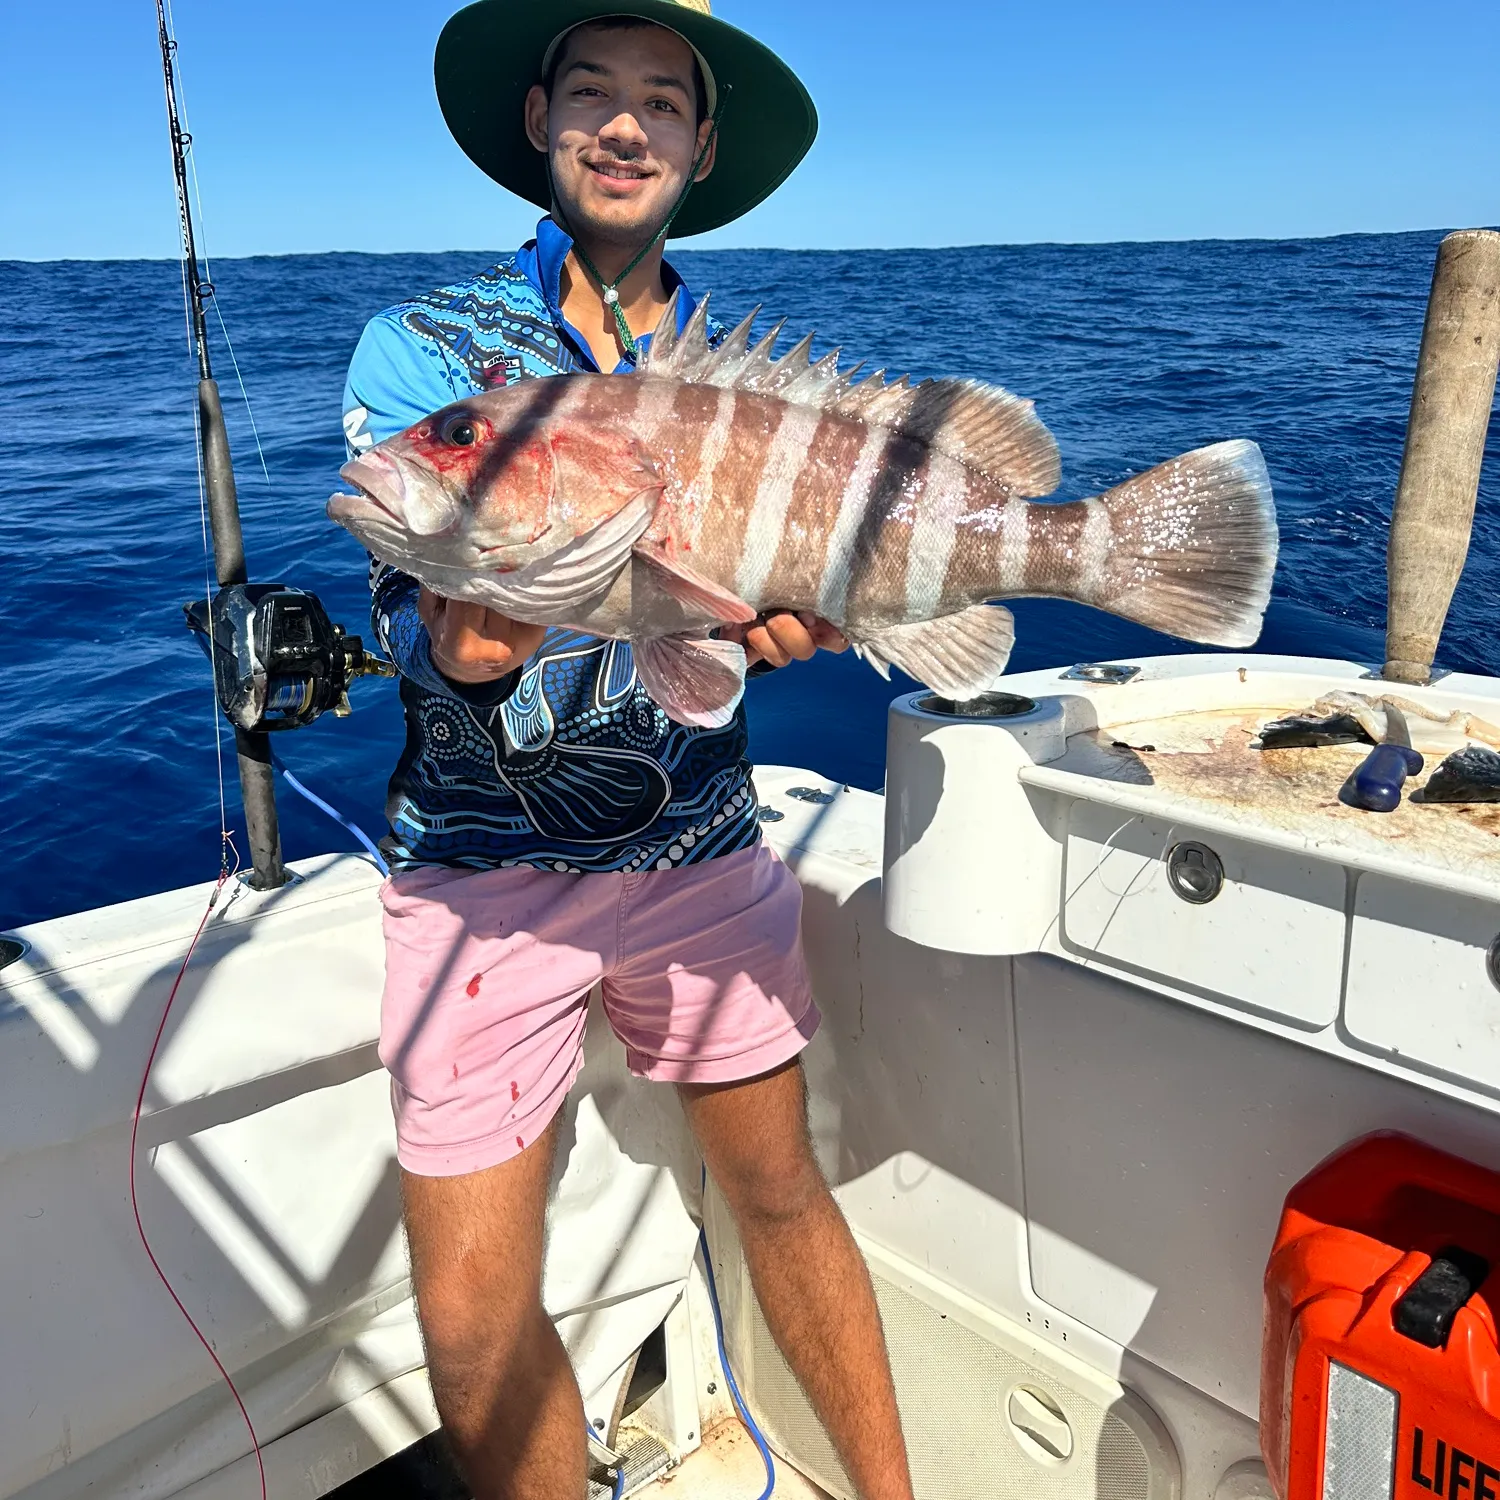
[252, 749]
[1445, 438]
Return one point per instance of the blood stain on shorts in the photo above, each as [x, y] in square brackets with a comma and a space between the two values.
[515, 1092]
[472, 987]
[520, 1144]
[455, 1072]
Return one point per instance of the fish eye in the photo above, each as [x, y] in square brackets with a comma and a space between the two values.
[460, 431]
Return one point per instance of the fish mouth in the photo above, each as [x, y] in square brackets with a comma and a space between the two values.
[378, 483]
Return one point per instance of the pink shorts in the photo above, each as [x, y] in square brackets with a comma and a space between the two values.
[487, 981]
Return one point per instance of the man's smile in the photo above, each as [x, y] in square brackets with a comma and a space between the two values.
[620, 171]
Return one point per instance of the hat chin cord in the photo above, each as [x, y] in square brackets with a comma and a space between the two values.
[610, 290]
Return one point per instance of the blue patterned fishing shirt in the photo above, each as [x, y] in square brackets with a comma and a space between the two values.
[567, 764]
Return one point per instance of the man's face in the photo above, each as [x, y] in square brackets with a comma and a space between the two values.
[620, 129]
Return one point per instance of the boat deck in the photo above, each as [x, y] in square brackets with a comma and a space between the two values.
[726, 1467]
[1142, 752]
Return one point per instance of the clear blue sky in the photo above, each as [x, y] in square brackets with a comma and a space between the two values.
[944, 122]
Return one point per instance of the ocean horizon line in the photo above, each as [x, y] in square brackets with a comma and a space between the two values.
[682, 248]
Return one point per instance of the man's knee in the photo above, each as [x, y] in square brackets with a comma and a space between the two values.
[781, 1185]
[469, 1314]
[476, 1259]
[481, 1361]
[755, 1138]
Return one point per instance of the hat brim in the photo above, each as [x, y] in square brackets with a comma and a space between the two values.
[490, 54]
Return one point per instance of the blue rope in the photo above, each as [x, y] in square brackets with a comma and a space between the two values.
[618, 1492]
[734, 1391]
[333, 813]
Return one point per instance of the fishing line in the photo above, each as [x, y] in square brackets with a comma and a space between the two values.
[1148, 867]
[1105, 850]
[135, 1207]
[202, 235]
[226, 838]
[240, 380]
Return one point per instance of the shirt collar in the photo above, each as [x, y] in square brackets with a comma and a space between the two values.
[542, 261]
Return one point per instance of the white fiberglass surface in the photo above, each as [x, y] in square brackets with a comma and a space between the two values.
[268, 1186]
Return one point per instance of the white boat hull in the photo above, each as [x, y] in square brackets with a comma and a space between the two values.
[1065, 1153]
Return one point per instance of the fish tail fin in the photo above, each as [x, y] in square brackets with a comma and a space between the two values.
[1192, 546]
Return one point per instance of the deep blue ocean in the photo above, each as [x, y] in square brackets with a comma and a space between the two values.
[1133, 352]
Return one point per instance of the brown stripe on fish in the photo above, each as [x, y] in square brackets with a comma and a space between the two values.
[681, 436]
[720, 526]
[882, 547]
[671, 420]
[904, 550]
[990, 552]
[820, 496]
[766, 521]
[1054, 549]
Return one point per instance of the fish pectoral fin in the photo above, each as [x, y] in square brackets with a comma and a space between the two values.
[565, 584]
[957, 656]
[695, 681]
[692, 588]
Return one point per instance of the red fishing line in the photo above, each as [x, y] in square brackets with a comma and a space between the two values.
[135, 1207]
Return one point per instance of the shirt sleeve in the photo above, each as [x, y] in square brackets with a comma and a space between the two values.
[396, 379]
[399, 628]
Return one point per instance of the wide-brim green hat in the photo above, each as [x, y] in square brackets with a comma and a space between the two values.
[490, 54]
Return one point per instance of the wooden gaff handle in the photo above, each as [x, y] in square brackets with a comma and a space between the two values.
[1445, 437]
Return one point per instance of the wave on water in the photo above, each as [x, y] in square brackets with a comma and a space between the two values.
[1133, 353]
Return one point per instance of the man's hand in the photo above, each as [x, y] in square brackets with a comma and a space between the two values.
[470, 643]
[781, 634]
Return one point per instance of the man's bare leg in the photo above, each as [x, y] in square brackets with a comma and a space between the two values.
[806, 1269]
[500, 1375]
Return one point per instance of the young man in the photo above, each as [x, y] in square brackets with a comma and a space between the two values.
[550, 827]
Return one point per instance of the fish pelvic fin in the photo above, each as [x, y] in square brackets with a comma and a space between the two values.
[692, 588]
[1191, 546]
[697, 682]
[958, 656]
[987, 429]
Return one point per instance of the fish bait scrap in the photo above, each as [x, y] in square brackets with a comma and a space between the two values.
[1469, 775]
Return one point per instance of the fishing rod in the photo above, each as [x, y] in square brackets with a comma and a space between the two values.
[278, 660]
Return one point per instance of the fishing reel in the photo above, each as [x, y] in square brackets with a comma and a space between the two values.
[279, 661]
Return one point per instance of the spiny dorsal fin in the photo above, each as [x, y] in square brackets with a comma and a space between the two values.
[663, 337]
[982, 426]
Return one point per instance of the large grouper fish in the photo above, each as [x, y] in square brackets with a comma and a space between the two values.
[718, 482]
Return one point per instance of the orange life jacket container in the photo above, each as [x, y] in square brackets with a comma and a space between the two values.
[1380, 1375]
